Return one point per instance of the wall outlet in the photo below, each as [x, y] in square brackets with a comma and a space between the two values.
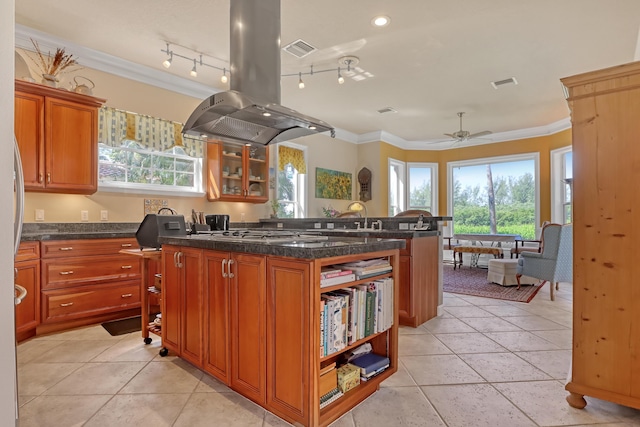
[104, 215]
[317, 225]
[39, 214]
[330, 226]
[280, 225]
[403, 226]
[242, 217]
[84, 216]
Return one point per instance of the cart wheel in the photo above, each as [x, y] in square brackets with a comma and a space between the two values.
[164, 352]
[147, 340]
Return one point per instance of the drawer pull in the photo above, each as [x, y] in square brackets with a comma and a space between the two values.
[66, 304]
[67, 248]
[65, 273]
[126, 295]
[126, 245]
[126, 267]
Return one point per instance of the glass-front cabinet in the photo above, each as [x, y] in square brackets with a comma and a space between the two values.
[237, 172]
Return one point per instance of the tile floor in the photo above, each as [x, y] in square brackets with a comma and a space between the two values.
[483, 363]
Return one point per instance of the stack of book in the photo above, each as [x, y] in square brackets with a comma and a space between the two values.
[368, 268]
[348, 315]
[370, 365]
[331, 276]
[330, 397]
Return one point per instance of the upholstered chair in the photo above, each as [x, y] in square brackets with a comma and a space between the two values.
[529, 245]
[555, 263]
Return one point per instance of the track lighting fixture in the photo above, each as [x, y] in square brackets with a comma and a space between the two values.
[194, 72]
[167, 62]
[340, 78]
[224, 77]
[300, 82]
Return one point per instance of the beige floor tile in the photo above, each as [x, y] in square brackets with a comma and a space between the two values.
[479, 301]
[160, 377]
[506, 310]
[36, 378]
[630, 416]
[440, 369]
[534, 323]
[93, 332]
[420, 344]
[476, 405]
[445, 326]
[470, 311]
[398, 407]
[562, 338]
[140, 410]
[408, 330]
[474, 342]
[30, 350]
[451, 301]
[220, 409]
[544, 402]
[502, 367]
[270, 420]
[490, 324]
[97, 378]
[555, 363]
[344, 421]
[129, 350]
[74, 351]
[521, 341]
[209, 384]
[57, 411]
[400, 379]
[22, 400]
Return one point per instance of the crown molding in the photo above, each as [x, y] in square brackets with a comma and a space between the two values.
[130, 70]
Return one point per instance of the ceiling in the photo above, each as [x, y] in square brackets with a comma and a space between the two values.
[434, 59]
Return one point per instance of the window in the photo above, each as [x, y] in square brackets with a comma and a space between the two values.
[561, 185]
[396, 187]
[421, 188]
[146, 154]
[291, 182]
[495, 195]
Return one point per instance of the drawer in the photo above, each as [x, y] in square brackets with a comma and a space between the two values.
[83, 301]
[28, 251]
[66, 272]
[71, 248]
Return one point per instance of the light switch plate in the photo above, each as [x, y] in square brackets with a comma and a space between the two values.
[39, 214]
[84, 216]
[403, 226]
[330, 225]
[317, 225]
[104, 215]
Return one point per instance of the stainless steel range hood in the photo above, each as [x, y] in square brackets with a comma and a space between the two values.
[251, 112]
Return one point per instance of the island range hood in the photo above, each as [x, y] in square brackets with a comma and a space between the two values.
[251, 112]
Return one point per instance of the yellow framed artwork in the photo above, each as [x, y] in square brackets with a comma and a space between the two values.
[332, 184]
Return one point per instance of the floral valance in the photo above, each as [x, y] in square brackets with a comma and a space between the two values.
[117, 127]
[291, 155]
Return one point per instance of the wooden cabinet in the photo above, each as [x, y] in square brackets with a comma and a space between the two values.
[27, 268]
[182, 302]
[419, 281]
[86, 281]
[57, 132]
[237, 173]
[605, 106]
[216, 334]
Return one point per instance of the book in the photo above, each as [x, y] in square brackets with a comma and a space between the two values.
[369, 307]
[338, 280]
[334, 273]
[372, 273]
[322, 320]
[330, 397]
[370, 363]
[328, 381]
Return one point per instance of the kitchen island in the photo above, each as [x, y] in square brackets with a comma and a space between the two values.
[250, 315]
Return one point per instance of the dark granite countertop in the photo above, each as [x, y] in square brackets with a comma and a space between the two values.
[73, 231]
[385, 234]
[334, 246]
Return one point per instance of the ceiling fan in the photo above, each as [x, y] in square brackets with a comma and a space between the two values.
[463, 135]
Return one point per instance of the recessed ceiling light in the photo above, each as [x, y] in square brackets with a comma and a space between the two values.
[380, 21]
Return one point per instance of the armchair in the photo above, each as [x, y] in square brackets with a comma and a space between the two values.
[555, 263]
[529, 245]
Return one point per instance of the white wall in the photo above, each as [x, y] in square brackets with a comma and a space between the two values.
[8, 395]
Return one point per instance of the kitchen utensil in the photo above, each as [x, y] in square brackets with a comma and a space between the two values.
[83, 88]
[217, 222]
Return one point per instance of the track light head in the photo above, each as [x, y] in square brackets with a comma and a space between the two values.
[167, 62]
[224, 78]
[300, 82]
[194, 72]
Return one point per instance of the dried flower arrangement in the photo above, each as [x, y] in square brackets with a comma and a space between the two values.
[53, 65]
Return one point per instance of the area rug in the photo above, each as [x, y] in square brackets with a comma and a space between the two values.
[473, 281]
[123, 326]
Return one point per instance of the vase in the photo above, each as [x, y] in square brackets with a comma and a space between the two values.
[49, 80]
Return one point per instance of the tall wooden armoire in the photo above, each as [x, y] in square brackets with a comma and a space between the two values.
[605, 115]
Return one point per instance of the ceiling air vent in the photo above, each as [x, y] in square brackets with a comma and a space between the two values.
[387, 110]
[299, 48]
[509, 81]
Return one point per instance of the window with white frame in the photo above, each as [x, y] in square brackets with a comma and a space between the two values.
[397, 172]
[291, 180]
[147, 154]
[495, 195]
[562, 185]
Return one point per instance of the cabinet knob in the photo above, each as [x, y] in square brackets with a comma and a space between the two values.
[66, 304]
[65, 273]
[40, 177]
[231, 275]
[67, 248]
[126, 245]
[48, 177]
[224, 266]
[126, 267]
[126, 295]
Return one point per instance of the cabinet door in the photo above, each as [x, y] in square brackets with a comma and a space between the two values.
[406, 310]
[257, 176]
[217, 315]
[27, 312]
[191, 345]
[29, 131]
[71, 134]
[247, 312]
[171, 298]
